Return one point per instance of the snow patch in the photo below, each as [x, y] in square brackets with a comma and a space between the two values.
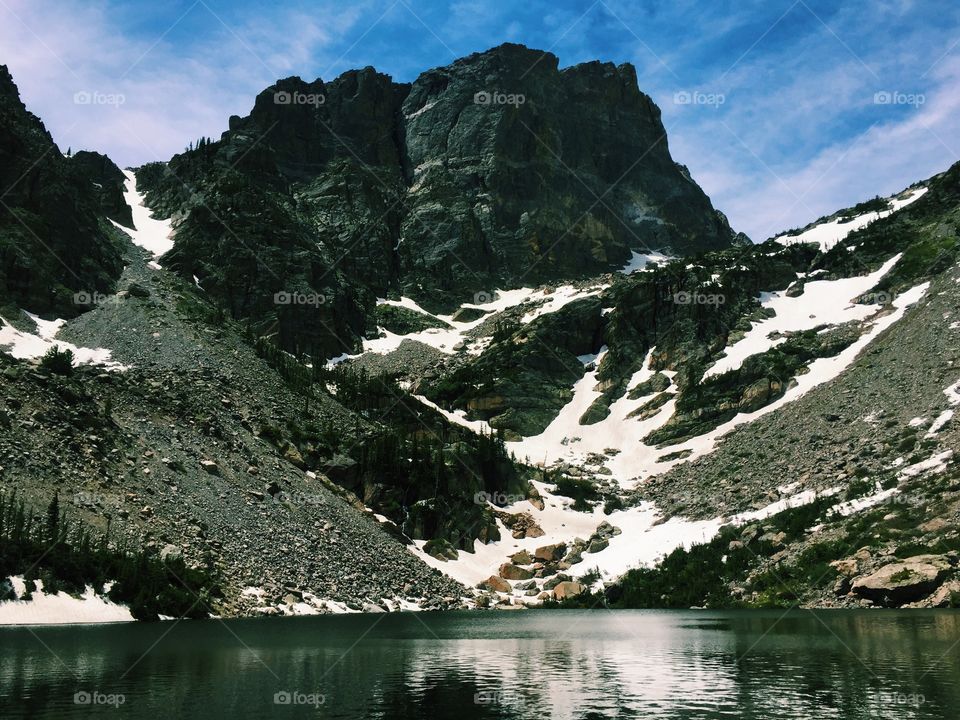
[30, 346]
[828, 234]
[823, 302]
[936, 464]
[639, 261]
[644, 539]
[59, 608]
[149, 233]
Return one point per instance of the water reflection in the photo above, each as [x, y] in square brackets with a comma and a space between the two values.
[599, 664]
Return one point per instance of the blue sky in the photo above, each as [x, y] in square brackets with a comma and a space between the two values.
[798, 107]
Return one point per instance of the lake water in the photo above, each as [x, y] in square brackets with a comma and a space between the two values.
[465, 665]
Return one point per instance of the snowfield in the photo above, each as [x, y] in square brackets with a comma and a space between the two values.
[823, 302]
[448, 339]
[644, 540]
[828, 234]
[59, 608]
[149, 233]
[617, 440]
[31, 346]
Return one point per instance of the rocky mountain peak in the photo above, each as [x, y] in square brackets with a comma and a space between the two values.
[498, 170]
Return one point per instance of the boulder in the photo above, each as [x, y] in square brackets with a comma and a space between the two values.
[598, 545]
[554, 581]
[522, 525]
[509, 571]
[535, 498]
[521, 558]
[138, 291]
[210, 466]
[172, 464]
[904, 581]
[946, 596]
[568, 589]
[494, 583]
[550, 553]
[440, 549]
[293, 456]
[170, 553]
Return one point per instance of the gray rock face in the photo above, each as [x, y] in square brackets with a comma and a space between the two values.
[497, 170]
[517, 165]
[53, 240]
[108, 182]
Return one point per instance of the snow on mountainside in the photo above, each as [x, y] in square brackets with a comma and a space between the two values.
[149, 233]
[59, 608]
[614, 446]
[644, 538]
[829, 232]
[26, 345]
[823, 303]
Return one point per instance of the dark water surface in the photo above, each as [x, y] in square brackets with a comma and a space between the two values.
[544, 664]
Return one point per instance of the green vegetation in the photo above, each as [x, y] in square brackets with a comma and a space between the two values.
[705, 404]
[581, 490]
[57, 361]
[404, 459]
[62, 554]
[877, 204]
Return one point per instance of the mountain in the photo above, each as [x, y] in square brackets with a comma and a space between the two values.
[307, 405]
[54, 242]
[495, 171]
[762, 426]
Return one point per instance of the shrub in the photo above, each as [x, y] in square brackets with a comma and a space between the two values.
[57, 361]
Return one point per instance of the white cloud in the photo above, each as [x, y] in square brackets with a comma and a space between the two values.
[913, 145]
[171, 94]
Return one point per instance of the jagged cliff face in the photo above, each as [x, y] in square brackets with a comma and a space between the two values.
[523, 171]
[108, 182]
[499, 170]
[53, 241]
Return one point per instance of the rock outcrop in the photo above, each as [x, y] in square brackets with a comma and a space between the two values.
[902, 582]
[54, 243]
